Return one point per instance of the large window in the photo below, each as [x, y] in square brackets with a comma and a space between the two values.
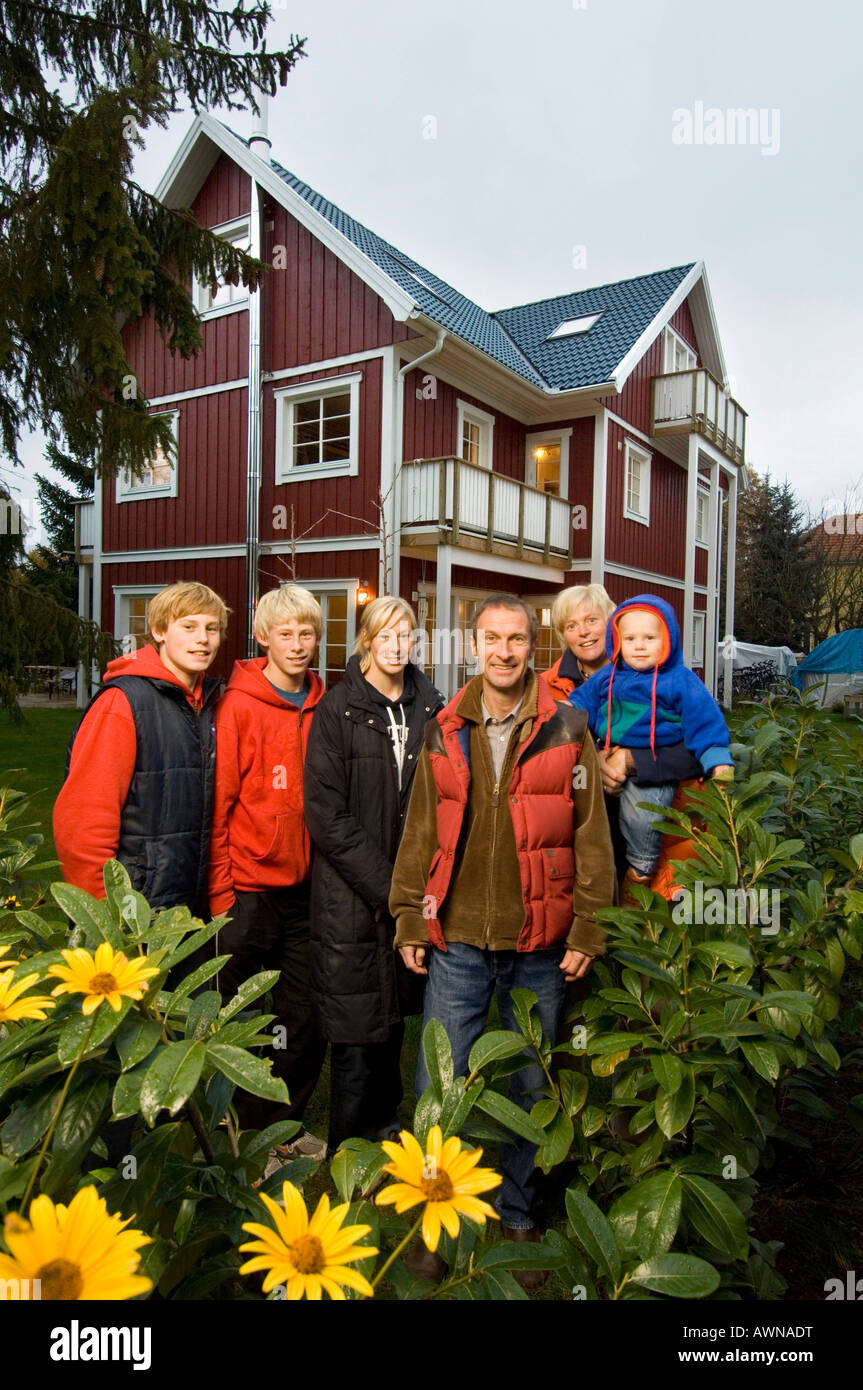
[702, 516]
[159, 477]
[546, 464]
[636, 486]
[334, 648]
[475, 435]
[317, 429]
[222, 297]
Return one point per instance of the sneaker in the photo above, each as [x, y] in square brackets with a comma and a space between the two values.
[306, 1145]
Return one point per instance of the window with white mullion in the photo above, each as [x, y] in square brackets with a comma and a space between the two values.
[636, 490]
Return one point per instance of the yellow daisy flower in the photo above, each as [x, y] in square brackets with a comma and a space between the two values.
[107, 976]
[308, 1256]
[446, 1178]
[8, 964]
[12, 1007]
[77, 1252]
[11, 904]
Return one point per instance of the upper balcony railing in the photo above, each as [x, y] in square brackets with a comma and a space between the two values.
[695, 400]
[470, 505]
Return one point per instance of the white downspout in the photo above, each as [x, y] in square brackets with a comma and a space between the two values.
[399, 421]
[259, 144]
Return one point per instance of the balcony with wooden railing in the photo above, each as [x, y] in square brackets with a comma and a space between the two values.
[693, 400]
[448, 501]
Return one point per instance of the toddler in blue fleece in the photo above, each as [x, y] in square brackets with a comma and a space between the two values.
[647, 698]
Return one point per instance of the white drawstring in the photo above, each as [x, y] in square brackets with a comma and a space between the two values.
[399, 736]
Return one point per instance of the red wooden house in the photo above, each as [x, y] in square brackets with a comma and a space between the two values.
[360, 425]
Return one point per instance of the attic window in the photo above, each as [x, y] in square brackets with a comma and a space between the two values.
[569, 327]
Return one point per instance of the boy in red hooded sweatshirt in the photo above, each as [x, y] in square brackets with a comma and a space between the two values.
[139, 781]
[259, 860]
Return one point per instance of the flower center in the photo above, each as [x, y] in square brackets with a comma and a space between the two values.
[437, 1189]
[103, 984]
[307, 1255]
[60, 1280]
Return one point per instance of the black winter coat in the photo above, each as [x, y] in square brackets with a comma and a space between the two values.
[355, 815]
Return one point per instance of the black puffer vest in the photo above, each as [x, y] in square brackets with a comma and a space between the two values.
[165, 826]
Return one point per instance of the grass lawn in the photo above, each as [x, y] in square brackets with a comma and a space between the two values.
[38, 747]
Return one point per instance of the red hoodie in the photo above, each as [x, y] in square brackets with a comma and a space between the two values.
[259, 838]
[87, 812]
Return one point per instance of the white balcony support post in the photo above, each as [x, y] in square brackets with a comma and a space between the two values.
[689, 571]
[600, 478]
[442, 649]
[710, 635]
[84, 603]
[730, 563]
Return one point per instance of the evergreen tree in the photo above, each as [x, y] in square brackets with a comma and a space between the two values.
[84, 249]
[775, 577]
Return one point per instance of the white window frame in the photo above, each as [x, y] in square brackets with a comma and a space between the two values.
[643, 456]
[323, 588]
[672, 344]
[129, 491]
[286, 397]
[570, 327]
[532, 443]
[702, 500]
[122, 594]
[474, 416]
[237, 230]
[699, 619]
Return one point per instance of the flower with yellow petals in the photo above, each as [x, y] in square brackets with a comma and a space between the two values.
[12, 1008]
[446, 1178]
[308, 1255]
[76, 1252]
[107, 976]
[11, 903]
[7, 964]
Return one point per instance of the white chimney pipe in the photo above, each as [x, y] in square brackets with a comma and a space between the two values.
[259, 140]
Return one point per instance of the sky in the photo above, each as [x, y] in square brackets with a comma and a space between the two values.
[524, 151]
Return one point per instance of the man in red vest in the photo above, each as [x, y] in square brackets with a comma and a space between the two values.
[505, 858]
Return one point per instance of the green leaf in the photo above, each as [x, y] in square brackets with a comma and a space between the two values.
[557, 1144]
[135, 1040]
[593, 1233]
[79, 1121]
[203, 1011]
[668, 1070]
[574, 1087]
[171, 1078]
[673, 1111]
[197, 978]
[520, 1254]
[762, 1058]
[678, 1276]
[715, 1216]
[438, 1057]
[29, 1120]
[733, 953]
[523, 1000]
[457, 1105]
[544, 1112]
[247, 1071]
[827, 1052]
[856, 848]
[127, 1092]
[250, 989]
[645, 1219]
[510, 1115]
[492, 1046]
[85, 911]
[76, 1028]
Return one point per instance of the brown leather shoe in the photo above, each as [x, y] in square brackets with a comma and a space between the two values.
[529, 1279]
[425, 1263]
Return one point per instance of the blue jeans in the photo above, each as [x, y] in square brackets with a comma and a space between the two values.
[643, 843]
[458, 993]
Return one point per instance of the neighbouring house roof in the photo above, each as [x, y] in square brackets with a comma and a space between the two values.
[601, 353]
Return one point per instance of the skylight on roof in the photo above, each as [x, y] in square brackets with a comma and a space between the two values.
[572, 326]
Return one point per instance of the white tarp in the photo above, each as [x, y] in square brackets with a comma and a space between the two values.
[743, 654]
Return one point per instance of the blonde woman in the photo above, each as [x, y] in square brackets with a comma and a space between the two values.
[579, 616]
[363, 750]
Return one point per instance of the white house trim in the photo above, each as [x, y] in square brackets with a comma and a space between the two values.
[225, 230]
[389, 487]
[628, 363]
[600, 485]
[237, 385]
[124, 489]
[625, 425]
[322, 545]
[627, 572]
[475, 415]
[689, 571]
[325, 365]
[189, 552]
[285, 396]
[481, 560]
[645, 459]
[711, 636]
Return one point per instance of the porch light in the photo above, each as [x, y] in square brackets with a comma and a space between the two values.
[363, 593]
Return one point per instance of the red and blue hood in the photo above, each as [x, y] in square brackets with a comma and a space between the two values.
[651, 603]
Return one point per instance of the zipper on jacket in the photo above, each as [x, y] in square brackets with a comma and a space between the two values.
[495, 801]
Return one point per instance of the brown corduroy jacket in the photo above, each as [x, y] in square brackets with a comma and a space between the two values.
[485, 900]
